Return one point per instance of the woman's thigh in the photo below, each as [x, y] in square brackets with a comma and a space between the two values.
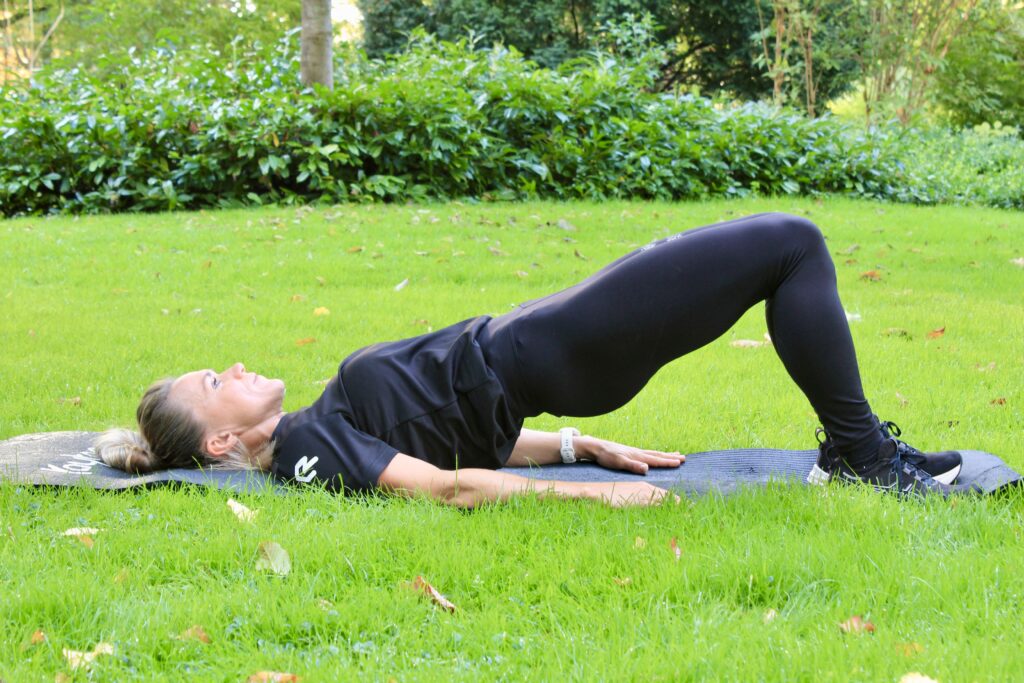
[590, 348]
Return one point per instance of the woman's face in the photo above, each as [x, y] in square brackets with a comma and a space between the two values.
[231, 401]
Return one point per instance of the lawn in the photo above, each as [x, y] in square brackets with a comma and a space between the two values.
[92, 309]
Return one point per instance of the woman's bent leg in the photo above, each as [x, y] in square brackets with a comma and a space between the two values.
[589, 349]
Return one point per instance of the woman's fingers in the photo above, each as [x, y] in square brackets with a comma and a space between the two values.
[660, 459]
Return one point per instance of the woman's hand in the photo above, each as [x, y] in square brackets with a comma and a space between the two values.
[617, 456]
[622, 494]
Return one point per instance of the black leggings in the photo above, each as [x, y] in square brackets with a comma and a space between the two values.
[588, 349]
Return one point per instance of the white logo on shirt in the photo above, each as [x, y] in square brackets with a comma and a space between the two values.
[304, 471]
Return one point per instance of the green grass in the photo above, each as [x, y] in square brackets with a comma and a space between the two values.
[95, 308]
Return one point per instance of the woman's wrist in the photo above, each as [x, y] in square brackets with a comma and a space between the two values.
[585, 447]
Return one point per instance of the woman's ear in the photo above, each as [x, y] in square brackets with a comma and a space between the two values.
[219, 444]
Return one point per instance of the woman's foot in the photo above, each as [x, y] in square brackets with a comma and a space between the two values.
[899, 467]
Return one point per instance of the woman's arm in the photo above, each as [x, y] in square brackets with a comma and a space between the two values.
[469, 487]
[542, 448]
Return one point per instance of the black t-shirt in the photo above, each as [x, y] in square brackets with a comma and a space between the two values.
[432, 397]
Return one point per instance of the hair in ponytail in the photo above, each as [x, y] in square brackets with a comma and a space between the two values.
[170, 437]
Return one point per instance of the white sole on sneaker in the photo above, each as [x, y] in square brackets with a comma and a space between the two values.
[948, 478]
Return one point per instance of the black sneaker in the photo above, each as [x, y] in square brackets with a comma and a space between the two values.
[944, 466]
[893, 474]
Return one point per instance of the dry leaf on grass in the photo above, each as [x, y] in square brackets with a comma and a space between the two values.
[243, 513]
[273, 558]
[935, 334]
[354, 250]
[871, 275]
[78, 659]
[194, 633]
[305, 340]
[676, 550]
[83, 535]
[622, 580]
[902, 399]
[914, 677]
[640, 542]
[37, 638]
[856, 624]
[751, 343]
[910, 649]
[1001, 401]
[577, 254]
[273, 677]
[496, 251]
[420, 584]
[321, 310]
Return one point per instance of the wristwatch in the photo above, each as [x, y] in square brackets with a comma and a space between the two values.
[567, 451]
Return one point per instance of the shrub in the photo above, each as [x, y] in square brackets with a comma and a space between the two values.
[186, 130]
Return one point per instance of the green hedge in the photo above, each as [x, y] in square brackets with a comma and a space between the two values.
[198, 129]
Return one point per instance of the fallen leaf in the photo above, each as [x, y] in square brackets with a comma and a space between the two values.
[496, 251]
[769, 616]
[895, 332]
[676, 550]
[273, 558]
[910, 649]
[78, 659]
[324, 604]
[935, 334]
[850, 262]
[321, 310]
[298, 297]
[1018, 261]
[354, 250]
[577, 253]
[985, 368]
[61, 677]
[915, 677]
[748, 343]
[122, 575]
[273, 677]
[420, 584]
[856, 624]
[622, 581]
[902, 399]
[37, 638]
[872, 275]
[86, 541]
[640, 542]
[243, 513]
[81, 531]
[320, 281]
[305, 340]
[194, 633]
[74, 400]
[401, 285]
[1001, 401]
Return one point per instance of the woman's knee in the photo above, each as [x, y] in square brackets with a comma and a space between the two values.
[798, 230]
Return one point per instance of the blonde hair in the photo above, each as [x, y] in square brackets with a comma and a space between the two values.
[171, 437]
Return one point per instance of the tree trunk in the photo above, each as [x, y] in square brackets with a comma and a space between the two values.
[316, 43]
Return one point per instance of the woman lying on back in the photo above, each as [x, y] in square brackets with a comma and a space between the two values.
[441, 413]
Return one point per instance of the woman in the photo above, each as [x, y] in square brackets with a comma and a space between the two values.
[439, 413]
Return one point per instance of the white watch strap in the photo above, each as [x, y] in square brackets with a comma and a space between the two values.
[567, 451]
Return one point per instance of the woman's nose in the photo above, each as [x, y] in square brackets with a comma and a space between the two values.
[237, 369]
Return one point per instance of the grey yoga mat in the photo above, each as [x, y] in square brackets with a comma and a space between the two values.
[67, 459]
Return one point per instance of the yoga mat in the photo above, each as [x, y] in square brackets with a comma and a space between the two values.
[67, 459]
